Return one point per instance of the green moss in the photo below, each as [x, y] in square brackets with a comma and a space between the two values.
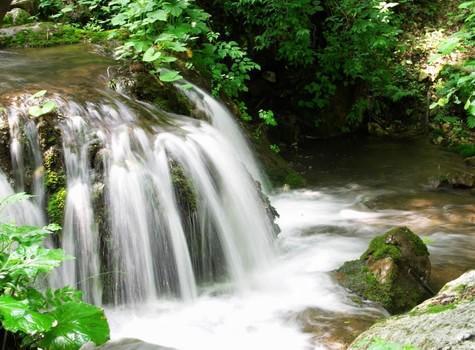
[379, 249]
[54, 180]
[183, 188]
[56, 206]
[381, 344]
[52, 35]
[360, 280]
[435, 309]
[386, 245]
[294, 179]
[466, 150]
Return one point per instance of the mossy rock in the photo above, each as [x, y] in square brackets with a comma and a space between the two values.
[16, 17]
[394, 271]
[56, 206]
[184, 189]
[444, 321]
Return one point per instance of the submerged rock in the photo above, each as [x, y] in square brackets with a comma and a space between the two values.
[394, 271]
[125, 344]
[446, 321]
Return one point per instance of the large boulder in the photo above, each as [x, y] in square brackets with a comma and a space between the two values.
[444, 322]
[16, 17]
[30, 6]
[394, 271]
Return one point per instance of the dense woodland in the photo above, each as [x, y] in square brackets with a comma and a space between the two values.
[315, 68]
[292, 70]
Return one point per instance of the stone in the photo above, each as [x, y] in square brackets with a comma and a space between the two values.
[470, 162]
[30, 6]
[125, 344]
[458, 179]
[445, 321]
[16, 17]
[394, 271]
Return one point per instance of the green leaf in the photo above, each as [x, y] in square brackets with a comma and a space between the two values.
[45, 108]
[18, 317]
[151, 55]
[39, 94]
[159, 15]
[77, 324]
[48, 107]
[29, 262]
[449, 45]
[14, 198]
[170, 76]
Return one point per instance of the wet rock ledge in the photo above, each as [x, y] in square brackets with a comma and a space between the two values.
[444, 322]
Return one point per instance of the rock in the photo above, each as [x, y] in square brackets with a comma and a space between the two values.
[458, 179]
[445, 321]
[33, 27]
[470, 162]
[30, 6]
[125, 344]
[394, 271]
[16, 17]
[270, 76]
[376, 130]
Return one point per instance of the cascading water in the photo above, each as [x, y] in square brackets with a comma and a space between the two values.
[179, 204]
[80, 236]
[224, 121]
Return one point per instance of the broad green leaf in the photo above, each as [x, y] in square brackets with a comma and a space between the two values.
[31, 261]
[35, 111]
[159, 15]
[67, 9]
[77, 324]
[449, 45]
[45, 108]
[48, 107]
[18, 317]
[167, 59]
[170, 76]
[151, 55]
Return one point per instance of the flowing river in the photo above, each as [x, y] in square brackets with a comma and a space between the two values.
[217, 278]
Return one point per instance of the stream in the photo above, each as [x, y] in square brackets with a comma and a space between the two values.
[281, 293]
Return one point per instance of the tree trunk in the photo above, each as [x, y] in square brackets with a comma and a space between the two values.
[4, 7]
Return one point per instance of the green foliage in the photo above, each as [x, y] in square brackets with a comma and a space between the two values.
[381, 344]
[55, 319]
[285, 26]
[56, 206]
[361, 43]
[52, 35]
[456, 85]
[159, 31]
[228, 65]
[268, 117]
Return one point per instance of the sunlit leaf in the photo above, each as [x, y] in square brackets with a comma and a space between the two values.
[77, 324]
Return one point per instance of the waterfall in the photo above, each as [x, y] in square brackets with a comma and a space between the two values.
[224, 121]
[80, 235]
[24, 212]
[157, 204]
